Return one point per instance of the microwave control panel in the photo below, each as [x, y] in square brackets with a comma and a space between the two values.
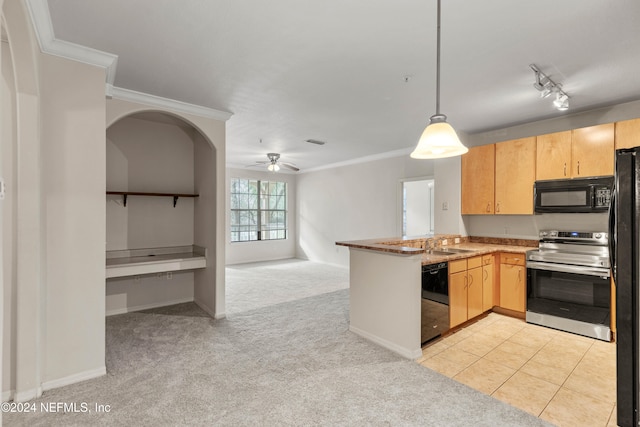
[603, 197]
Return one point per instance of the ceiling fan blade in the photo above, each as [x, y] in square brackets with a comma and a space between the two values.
[315, 141]
[262, 162]
[252, 166]
[289, 166]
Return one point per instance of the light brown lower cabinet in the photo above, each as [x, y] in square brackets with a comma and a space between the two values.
[465, 290]
[513, 282]
[488, 281]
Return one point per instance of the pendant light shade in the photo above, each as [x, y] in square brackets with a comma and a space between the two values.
[439, 139]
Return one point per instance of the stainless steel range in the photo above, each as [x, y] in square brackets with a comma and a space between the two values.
[568, 283]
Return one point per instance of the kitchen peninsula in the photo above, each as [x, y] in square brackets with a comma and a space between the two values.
[385, 282]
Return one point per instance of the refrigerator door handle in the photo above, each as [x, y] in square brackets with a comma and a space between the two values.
[613, 238]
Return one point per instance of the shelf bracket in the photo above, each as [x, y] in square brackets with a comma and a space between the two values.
[124, 200]
[175, 201]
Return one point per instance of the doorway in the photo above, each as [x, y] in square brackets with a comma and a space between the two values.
[417, 201]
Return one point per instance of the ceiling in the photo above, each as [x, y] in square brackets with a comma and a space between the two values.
[360, 74]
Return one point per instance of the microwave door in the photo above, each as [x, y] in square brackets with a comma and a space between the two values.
[564, 200]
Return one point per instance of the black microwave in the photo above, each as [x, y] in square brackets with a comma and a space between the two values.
[573, 195]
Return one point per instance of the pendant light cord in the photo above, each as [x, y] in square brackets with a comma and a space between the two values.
[438, 64]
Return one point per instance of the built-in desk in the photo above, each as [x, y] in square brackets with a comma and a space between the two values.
[136, 262]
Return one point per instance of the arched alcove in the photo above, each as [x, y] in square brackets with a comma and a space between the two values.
[156, 152]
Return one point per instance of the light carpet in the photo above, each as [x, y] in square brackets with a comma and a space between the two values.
[283, 356]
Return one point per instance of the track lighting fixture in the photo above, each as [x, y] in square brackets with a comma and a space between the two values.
[546, 87]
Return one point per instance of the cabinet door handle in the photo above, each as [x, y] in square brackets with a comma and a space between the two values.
[488, 207]
[519, 276]
[565, 168]
[498, 207]
[466, 280]
[470, 281]
[578, 167]
[486, 275]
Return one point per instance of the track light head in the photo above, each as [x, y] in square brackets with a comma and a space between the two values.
[562, 101]
[546, 87]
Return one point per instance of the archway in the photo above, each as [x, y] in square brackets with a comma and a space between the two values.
[155, 151]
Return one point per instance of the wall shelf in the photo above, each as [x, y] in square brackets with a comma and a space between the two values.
[125, 194]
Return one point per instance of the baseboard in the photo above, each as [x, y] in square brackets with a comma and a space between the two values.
[209, 310]
[26, 395]
[402, 351]
[75, 378]
[147, 306]
[7, 396]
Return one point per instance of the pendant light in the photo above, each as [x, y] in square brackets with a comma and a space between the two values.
[439, 139]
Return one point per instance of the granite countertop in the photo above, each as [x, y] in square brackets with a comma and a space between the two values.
[423, 244]
[477, 248]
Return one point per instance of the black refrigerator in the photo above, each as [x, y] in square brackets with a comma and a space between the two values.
[624, 238]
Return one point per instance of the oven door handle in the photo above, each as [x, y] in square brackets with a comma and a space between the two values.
[564, 268]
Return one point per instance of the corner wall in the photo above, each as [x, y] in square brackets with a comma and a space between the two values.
[73, 176]
[353, 202]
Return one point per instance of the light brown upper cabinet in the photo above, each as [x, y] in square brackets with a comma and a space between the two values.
[553, 155]
[576, 153]
[478, 168]
[628, 133]
[592, 151]
[515, 175]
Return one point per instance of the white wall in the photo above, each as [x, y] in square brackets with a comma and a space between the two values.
[125, 294]
[149, 156]
[266, 250]
[447, 196]
[9, 238]
[210, 208]
[352, 202]
[73, 176]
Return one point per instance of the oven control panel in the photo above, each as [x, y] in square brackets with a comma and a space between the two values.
[597, 237]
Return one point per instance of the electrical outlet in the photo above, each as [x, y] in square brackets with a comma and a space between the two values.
[456, 240]
[444, 242]
[159, 275]
[445, 206]
[169, 275]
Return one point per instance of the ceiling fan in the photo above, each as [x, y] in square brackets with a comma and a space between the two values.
[274, 163]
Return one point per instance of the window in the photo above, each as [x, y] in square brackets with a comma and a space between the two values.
[258, 210]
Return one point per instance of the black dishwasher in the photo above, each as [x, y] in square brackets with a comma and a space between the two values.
[435, 301]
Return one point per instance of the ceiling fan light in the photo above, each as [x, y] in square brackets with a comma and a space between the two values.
[273, 167]
[439, 140]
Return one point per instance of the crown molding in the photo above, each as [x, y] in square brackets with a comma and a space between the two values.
[39, 12]
[41, 19]
[168, 104]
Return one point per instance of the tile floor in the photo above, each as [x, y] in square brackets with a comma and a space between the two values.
[566, 379]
